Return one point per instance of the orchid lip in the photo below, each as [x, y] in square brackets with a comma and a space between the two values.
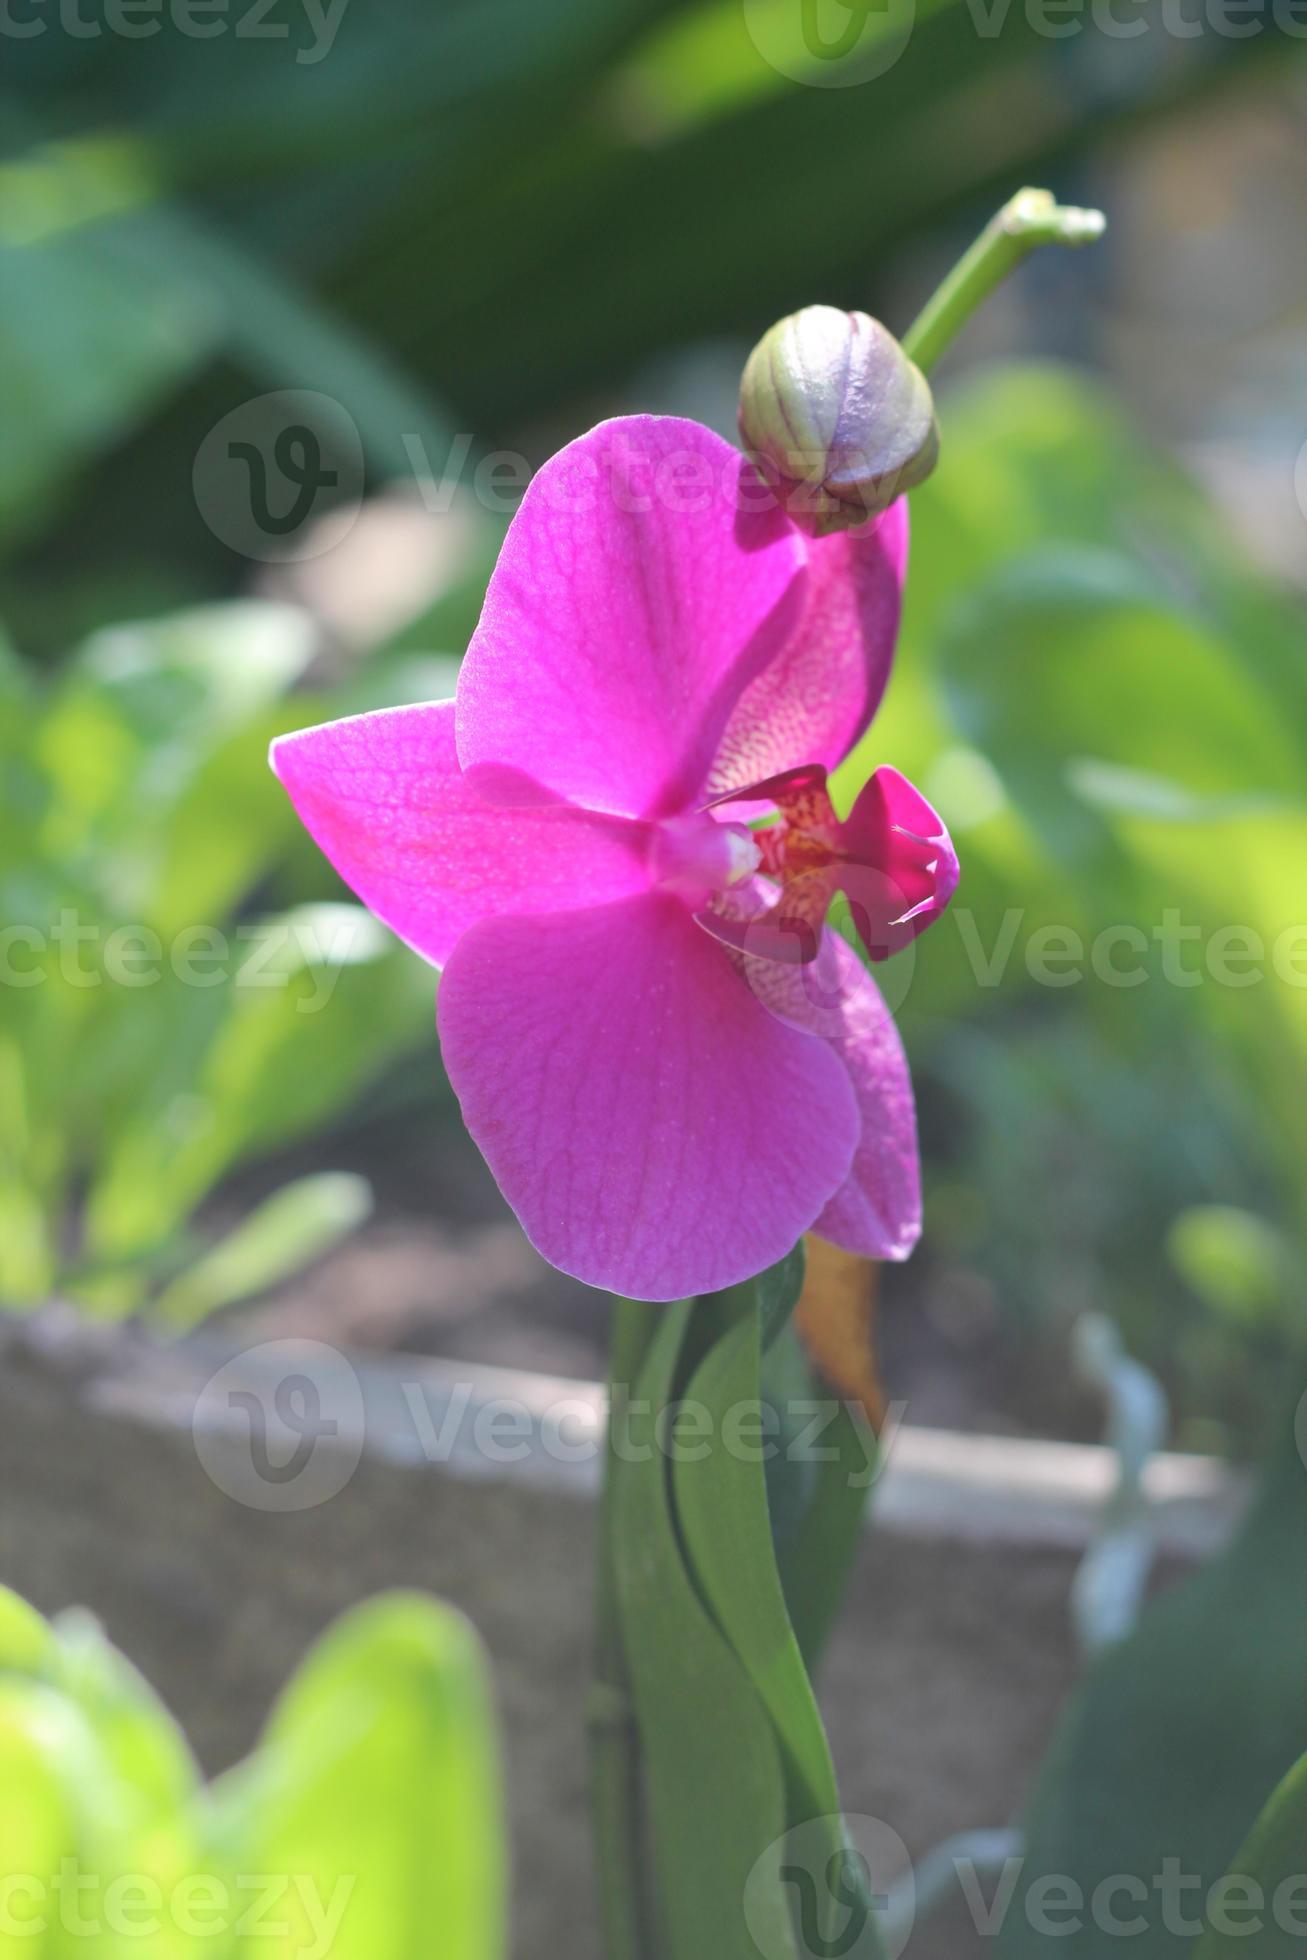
[809, 855]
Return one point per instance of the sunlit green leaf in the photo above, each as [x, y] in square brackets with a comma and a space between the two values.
[297, 1224]
[374, 1797]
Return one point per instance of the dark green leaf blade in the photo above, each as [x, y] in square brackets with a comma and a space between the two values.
[1168, 1750]
[715, 1786]
[1269, 1869]
[722, 1505]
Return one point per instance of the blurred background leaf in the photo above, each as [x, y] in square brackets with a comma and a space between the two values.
[1174, 1743]
[369, 1814]
[376, 1785]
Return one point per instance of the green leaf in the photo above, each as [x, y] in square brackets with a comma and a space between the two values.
[720, 1490]
[40, 1739]
[816, 1556]
[1074, 659]
[140, 730]
[26, 1642]
[217, 664]
[715, 1783]
[721, 1501]
[1168, 1749]
[1140, 793]
[1236, 1262]
[138, 1736]
[374, 1797]
[96, 1785]
[95, 328]
[369, 1819]
[778, 1293]
[1266, 1880]
[28, 1258]
[276, 330]
[325, 998]
[296, 1225]
[230, 825]
[322, 997]
[818, 1485]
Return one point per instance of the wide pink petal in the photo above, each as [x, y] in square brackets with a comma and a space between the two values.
[383, 797]
[817, 697]
[877, 1210]
[644, 582]
[656, 1129]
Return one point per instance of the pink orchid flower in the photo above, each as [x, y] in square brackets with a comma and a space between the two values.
[672, 1067]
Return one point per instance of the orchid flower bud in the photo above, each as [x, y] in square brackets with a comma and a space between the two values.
[837, 418]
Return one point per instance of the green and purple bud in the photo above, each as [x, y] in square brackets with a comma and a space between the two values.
[837, 418]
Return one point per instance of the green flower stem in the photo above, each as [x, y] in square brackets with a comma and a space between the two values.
[614, 1741]
[1029, 219]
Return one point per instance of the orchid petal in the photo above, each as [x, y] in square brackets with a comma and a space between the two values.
[877, 1211]
[656, 1129]
[646, 579]
[383, 797]
[813, 702]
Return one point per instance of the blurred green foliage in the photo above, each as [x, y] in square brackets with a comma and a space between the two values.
[1172, 1747]
[368, 1815]
[1107, 705]
[462, 217]
[157, 1027]
[490, 224]
[1269, 1861]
